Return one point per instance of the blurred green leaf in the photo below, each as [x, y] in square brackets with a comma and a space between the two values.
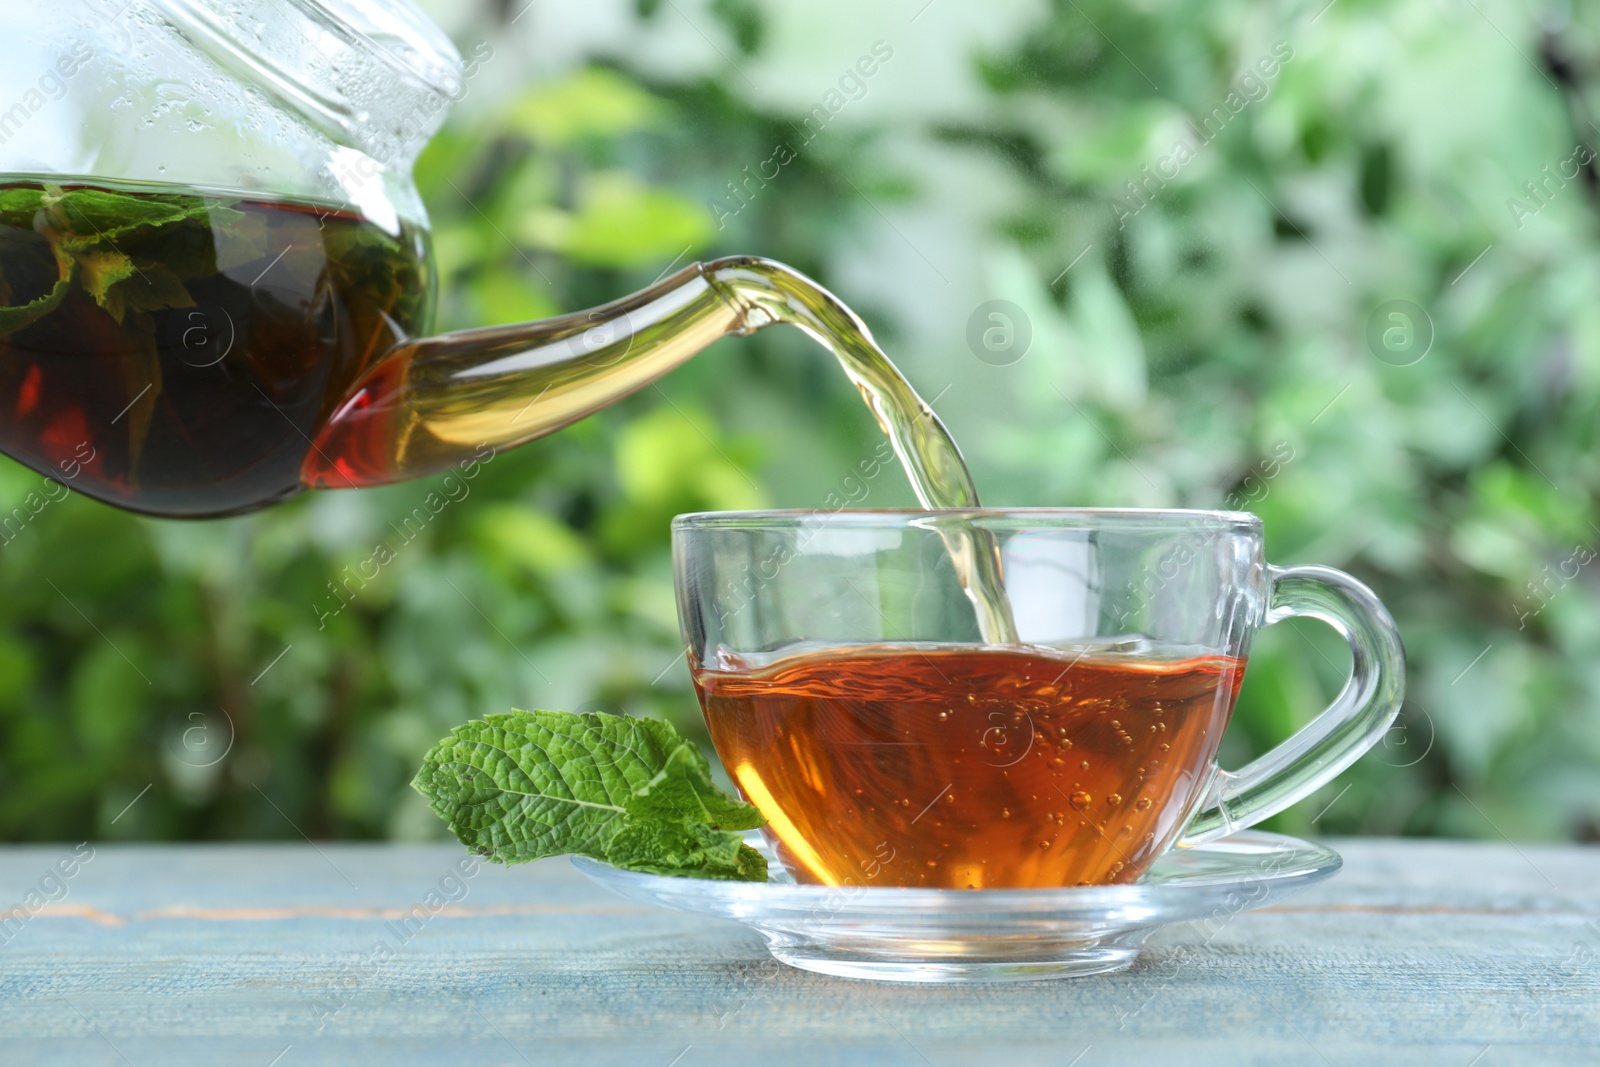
[620, 222]
[544, 546]
[592, 102]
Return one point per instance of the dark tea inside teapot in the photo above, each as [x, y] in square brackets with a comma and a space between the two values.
[177, 353]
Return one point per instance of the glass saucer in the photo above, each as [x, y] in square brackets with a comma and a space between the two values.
[895, 934]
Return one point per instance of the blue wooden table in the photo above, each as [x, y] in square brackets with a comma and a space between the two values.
[283, 956]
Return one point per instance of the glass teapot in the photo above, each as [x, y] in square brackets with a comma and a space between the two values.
[215, 276]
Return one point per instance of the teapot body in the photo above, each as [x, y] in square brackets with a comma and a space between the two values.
[176, 351]
[208, 232]
[215, 281]
[326, 101]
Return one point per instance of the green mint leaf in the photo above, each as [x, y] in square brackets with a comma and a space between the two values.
[99, 271]
[178, 231]
[685, 850]
[191, 247]
[752, 865]
[19, 206]
[684, 786]
[106, 216]
[26, 254]
[15, 318]
[626, 791]
[368, 259]
[146, 287]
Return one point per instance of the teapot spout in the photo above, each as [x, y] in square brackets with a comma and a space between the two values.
[430, 404]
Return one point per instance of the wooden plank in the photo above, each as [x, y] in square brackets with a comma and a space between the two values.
[1419, 952]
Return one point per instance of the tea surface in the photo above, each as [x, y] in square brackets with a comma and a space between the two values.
[174, 352]
[970, 767]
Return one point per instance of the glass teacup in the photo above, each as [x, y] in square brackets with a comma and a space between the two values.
[850, 697]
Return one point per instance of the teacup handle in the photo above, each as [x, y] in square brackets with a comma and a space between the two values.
[1358, 717]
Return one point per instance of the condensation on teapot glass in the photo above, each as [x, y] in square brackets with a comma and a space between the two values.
[328, 101]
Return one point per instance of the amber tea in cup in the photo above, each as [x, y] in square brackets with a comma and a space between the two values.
[970, 767]
[851, 695]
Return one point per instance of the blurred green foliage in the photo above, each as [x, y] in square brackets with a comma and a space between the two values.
[1238, 302]
[1215, 317]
